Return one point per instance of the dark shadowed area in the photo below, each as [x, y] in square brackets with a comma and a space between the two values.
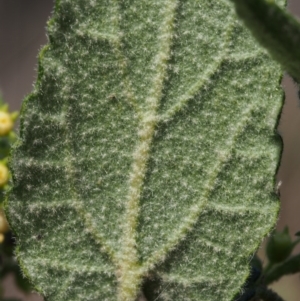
[22, 33]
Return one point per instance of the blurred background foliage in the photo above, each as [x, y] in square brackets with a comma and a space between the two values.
[22, 33]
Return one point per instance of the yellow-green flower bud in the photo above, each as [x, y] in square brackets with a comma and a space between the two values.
[4, 174]
[6, 123]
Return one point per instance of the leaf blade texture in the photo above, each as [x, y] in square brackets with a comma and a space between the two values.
[146, 153]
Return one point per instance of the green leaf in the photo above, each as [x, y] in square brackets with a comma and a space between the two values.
[147, 153]
[275, 29]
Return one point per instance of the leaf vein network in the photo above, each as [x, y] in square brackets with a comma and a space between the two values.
[224, 156]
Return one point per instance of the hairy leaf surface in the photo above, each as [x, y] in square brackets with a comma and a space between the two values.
[147, 153]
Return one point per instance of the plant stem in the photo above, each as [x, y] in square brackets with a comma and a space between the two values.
[291, 266]
[267, 294]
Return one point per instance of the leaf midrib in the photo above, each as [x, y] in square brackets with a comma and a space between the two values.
[130, 273]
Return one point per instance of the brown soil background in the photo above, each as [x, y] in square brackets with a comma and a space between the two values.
[22, 33]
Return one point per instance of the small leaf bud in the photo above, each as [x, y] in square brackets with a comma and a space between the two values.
[4, 227]
[279, 246]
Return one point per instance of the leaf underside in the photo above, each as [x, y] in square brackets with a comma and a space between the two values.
[147, 153]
